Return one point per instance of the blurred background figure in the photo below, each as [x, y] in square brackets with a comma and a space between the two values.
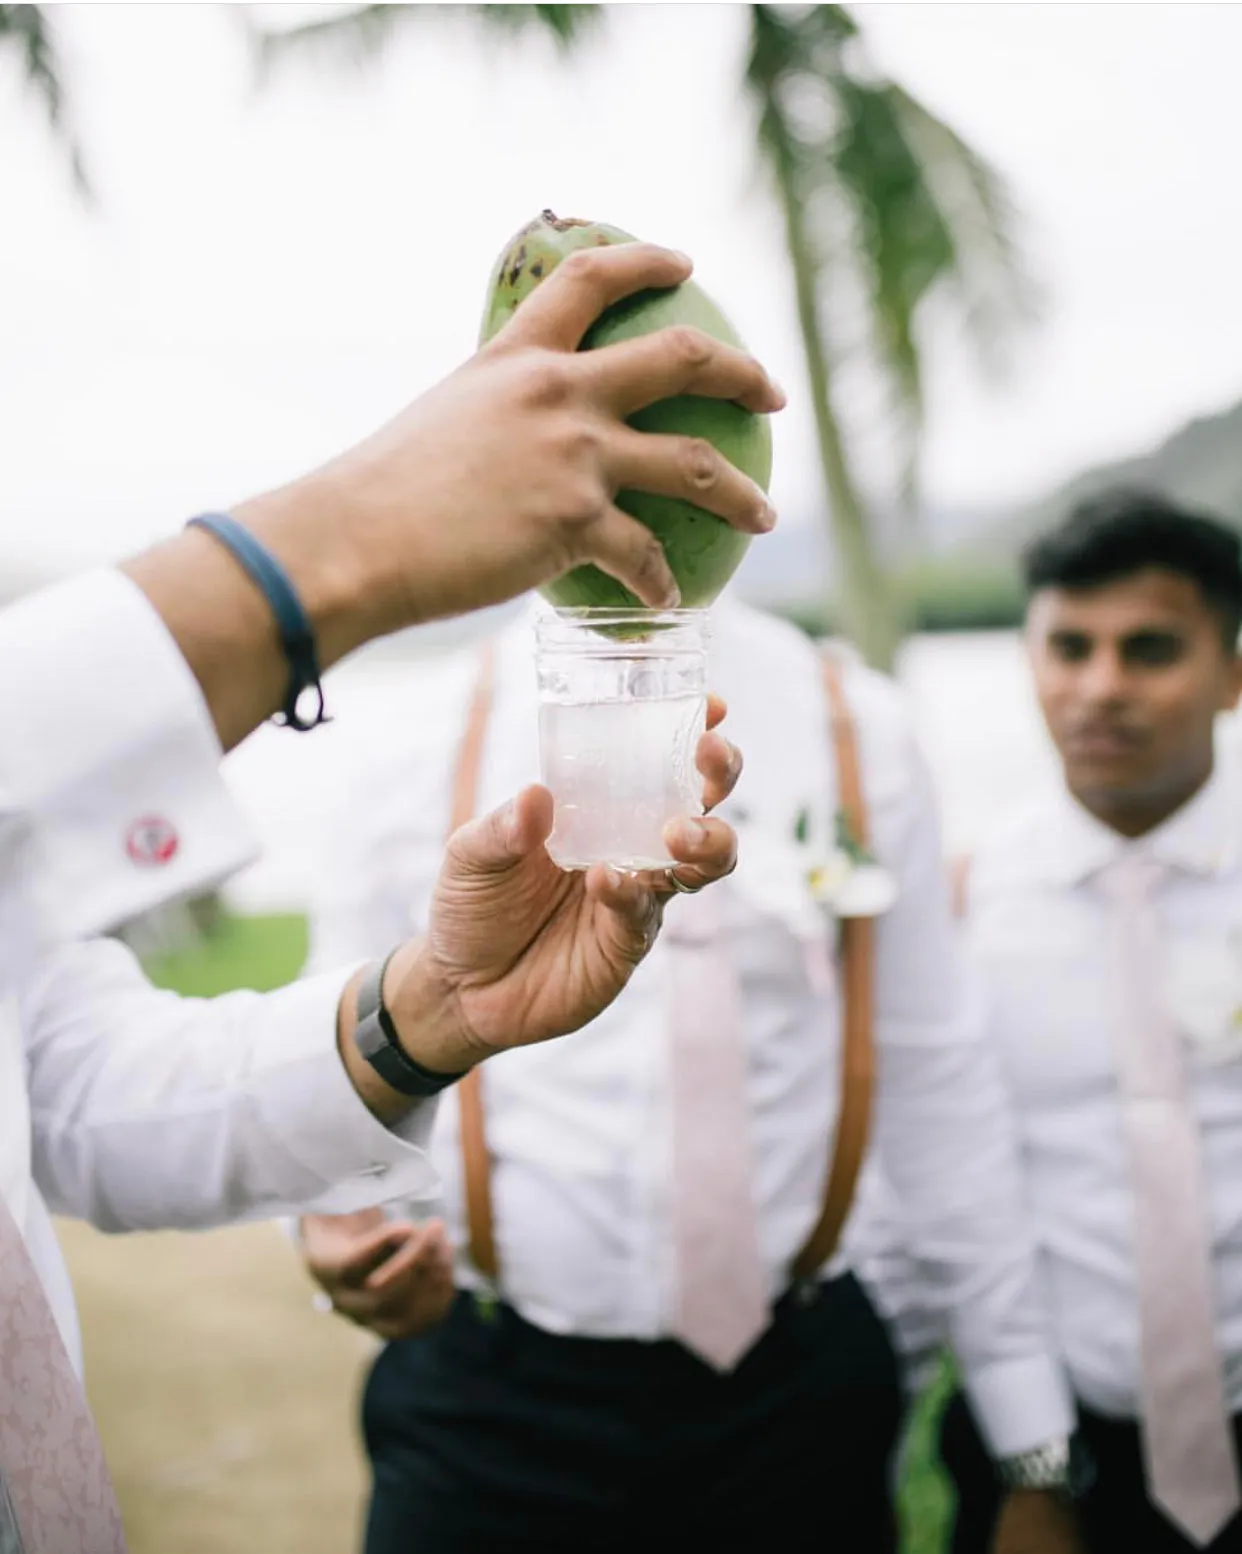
[193, 243]
[1106, 915]
[570, 1397]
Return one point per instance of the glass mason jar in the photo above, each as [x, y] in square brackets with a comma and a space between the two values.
[622, 703]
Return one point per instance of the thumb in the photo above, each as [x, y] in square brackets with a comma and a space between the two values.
[498, 840]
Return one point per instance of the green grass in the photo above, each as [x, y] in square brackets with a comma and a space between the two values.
[937, 593]
[266, 952]
[258, 952]
[925, 1498]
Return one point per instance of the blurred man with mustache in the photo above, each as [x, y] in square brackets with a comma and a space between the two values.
[1108, 922]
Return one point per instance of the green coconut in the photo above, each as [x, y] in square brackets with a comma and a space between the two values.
[703, 550]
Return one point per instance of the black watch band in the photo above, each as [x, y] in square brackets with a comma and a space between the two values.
[376, 1039]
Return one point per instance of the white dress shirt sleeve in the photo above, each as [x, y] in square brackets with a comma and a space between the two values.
[111, 799]
[877, 1247]
[945, 1132]
[151, 1110]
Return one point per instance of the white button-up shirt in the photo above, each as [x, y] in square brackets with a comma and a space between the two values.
[578, 1128]
[127, 1106]
[1038, 925]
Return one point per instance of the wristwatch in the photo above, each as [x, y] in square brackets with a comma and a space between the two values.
[1061, 1466]
[376, 1038]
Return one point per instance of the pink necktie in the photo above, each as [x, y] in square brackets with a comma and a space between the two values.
[721, 1300]
[1192, 1471]
[51, 1460]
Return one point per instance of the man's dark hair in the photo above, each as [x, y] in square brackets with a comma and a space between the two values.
[1121, 532]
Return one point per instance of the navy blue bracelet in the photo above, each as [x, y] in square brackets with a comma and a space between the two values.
[297, 636]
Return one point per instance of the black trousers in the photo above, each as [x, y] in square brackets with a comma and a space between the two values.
[1117, 1517]
[490, 1435]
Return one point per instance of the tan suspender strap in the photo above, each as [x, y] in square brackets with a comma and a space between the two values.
[858, 1011]
[476, 1168]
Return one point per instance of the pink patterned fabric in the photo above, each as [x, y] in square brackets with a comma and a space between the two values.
[721, 1306]
[51, 1458]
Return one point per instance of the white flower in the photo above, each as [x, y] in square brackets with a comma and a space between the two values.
[807, 881]
[772, 875]
[852, 883]
[867, 891]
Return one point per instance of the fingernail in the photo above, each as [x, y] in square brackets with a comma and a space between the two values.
[685, 258]
[767, 517]
[672, 598]
[780, 393]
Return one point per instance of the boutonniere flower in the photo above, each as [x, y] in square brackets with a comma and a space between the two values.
[851, 881]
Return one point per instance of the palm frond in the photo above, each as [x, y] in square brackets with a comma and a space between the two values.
[26, 30]
[999, 289]
[361, 34]
[356, 36]
[566, 25]
[899, 207]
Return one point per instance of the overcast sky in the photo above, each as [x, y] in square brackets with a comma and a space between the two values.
[267, 275]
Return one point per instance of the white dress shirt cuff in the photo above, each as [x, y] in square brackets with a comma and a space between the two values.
[1020, 1403]
[111, 761]
[309, 1105]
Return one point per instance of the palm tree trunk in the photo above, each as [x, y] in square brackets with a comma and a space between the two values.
[865, 599]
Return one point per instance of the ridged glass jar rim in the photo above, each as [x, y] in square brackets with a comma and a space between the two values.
[593, 628]
[591, 615]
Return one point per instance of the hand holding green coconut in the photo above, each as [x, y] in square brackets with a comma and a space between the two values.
[517, 458]
[698, 452]
[498, 480]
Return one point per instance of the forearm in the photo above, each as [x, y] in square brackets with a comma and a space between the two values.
[223, 625]
[947, 1138]
[948, 1142]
